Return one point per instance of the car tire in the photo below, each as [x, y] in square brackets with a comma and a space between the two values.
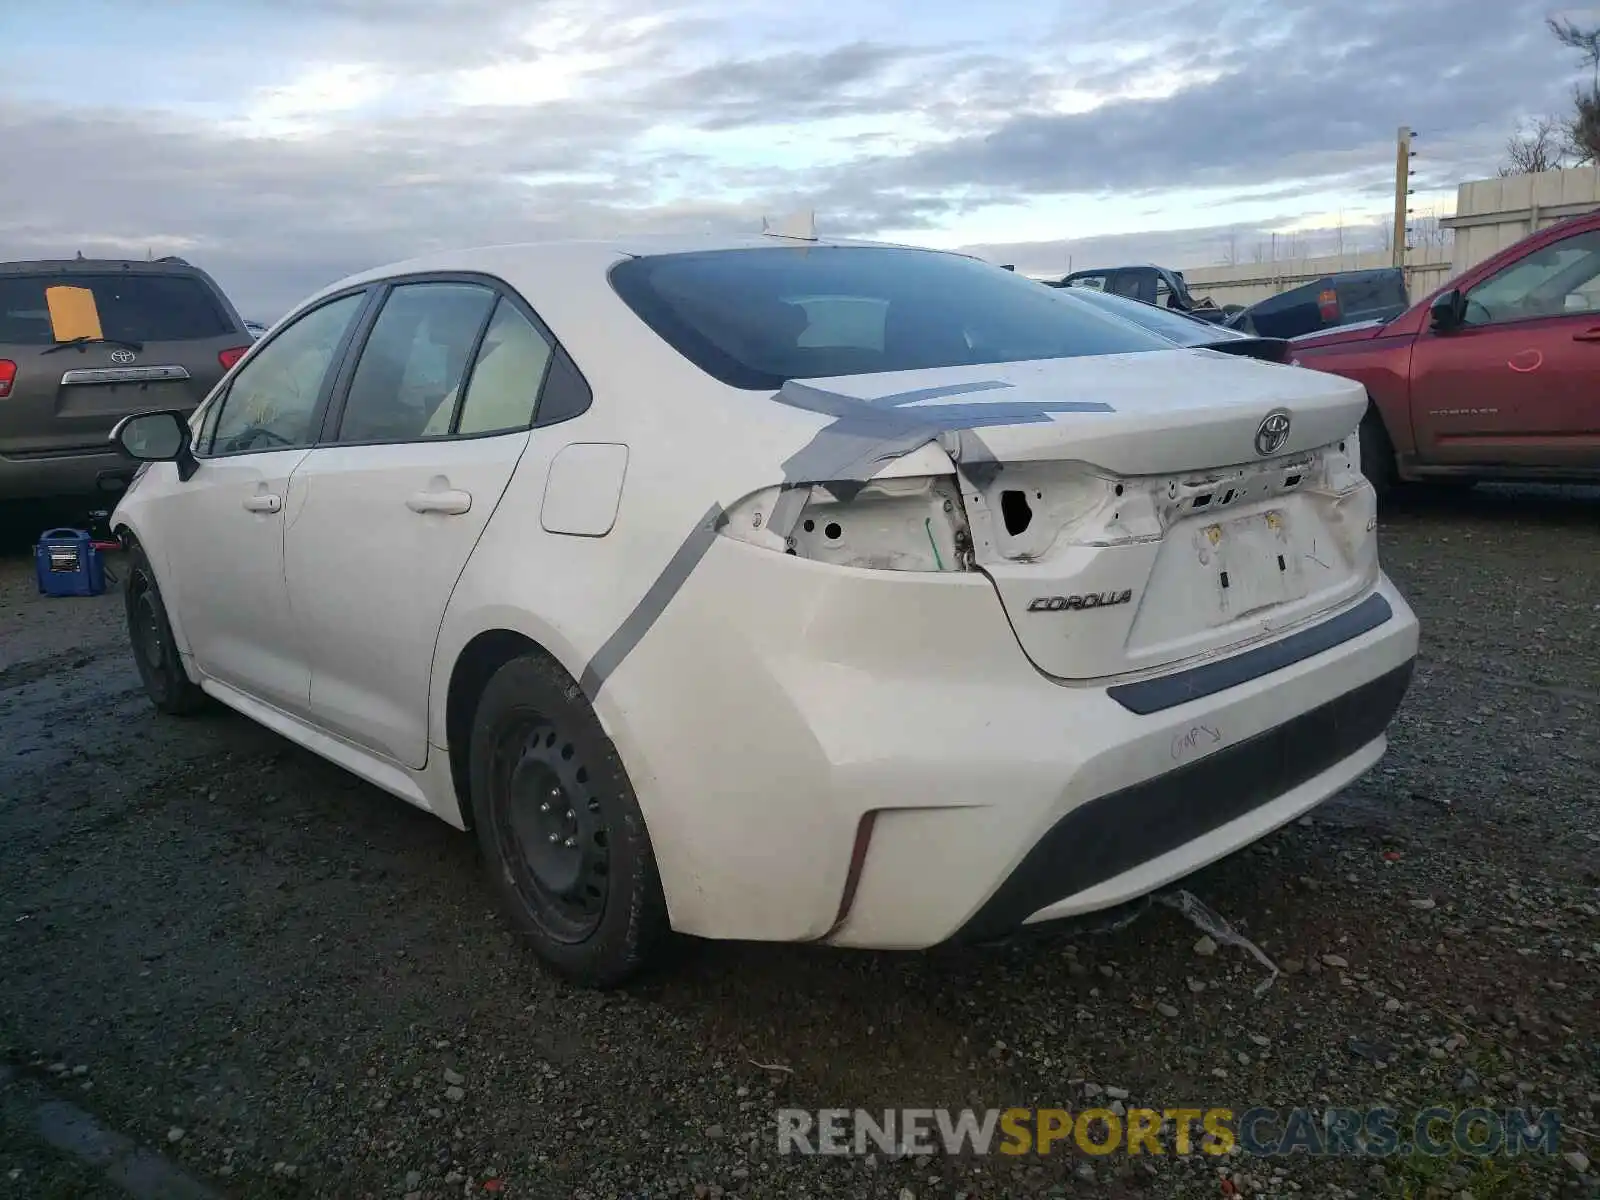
[155, 650]
[1377, 453]
[560, 829]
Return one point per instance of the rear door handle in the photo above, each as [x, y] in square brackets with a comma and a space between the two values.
[267, 502]
[1588, 335]
[450, 503]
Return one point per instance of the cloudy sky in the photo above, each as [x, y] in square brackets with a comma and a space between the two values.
[284, 143]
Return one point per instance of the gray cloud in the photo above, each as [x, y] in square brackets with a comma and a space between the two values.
[1318, 97]
[1305, 100]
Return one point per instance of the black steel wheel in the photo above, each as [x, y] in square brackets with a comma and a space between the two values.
[560, 829]
[155, 650]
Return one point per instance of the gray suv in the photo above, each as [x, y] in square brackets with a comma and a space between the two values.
[86, 341]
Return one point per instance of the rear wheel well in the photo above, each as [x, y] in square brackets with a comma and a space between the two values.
[475, 666]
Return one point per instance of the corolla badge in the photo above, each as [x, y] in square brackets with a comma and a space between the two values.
[1273, 432]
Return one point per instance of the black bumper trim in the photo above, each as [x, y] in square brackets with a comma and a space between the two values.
[1153, 695]
[1110, 834]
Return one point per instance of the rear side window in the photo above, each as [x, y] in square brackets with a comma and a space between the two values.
[756, 318]
[507, 376]
[410, 372]
[129, 306]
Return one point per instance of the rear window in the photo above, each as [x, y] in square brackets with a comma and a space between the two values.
[756, 318]
[135, 307]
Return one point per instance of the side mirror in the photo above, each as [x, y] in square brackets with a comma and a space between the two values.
[1448, 310]
[156, 437]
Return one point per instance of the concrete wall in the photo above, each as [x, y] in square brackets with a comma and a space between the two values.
[1492, 214]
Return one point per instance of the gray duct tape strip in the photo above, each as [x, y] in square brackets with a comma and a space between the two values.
[863, 435]
[867, 433]
[977, 460]
[655, 601]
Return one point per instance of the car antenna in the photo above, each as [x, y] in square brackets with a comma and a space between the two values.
[801, 227]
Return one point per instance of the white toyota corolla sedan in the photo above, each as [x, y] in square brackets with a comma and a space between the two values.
[778, 589]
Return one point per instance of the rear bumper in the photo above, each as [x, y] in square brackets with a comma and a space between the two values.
[100, 474]
[1135, 827]
[777, 718]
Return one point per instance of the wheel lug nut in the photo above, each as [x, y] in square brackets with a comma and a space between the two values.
[544, 808]
[572, 842]
[554, 838]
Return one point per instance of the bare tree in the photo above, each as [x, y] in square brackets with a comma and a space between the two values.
[1230, 249]
[1258, 253]
[1583, 126]
[1385, 235]
[1539, 147]
[1428, 231]
[1585, 41]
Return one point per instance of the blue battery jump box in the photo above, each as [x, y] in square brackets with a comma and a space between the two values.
[68, 564]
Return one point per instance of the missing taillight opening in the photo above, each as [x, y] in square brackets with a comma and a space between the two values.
[912, 523]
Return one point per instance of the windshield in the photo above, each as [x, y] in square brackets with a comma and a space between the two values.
[756, 318]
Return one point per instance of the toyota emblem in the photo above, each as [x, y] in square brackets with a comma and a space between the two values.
[127, 356]
[1273, 433]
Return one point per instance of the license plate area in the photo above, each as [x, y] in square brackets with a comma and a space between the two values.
[1254, 563]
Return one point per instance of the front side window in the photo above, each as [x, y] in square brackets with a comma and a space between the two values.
[272, 402]
[1554, 280]
[412, 365]
[749, 317]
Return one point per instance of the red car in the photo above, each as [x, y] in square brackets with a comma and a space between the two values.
[1494, 376]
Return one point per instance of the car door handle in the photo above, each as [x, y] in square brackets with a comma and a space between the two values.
[450, 503]
[267, 502]
[1587, 335]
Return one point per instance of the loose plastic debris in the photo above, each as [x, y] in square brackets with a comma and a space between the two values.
[1209, 922]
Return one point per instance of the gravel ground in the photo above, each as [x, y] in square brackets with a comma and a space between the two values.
[292, 985]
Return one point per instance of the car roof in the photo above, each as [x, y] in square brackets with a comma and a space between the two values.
[97, 266]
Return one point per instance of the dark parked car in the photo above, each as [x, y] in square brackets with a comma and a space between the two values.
[84, 342]
[1184, 329]
[1343, 298]
[1159, 286]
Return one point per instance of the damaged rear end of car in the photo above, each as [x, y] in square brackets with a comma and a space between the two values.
[1196, 506]
[1067, 614]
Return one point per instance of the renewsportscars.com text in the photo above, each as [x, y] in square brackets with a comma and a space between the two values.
[1262, 1132]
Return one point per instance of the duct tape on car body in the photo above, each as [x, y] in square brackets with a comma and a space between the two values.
[864, 435]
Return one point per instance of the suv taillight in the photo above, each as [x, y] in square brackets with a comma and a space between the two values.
[228, 357]
[8, 376]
